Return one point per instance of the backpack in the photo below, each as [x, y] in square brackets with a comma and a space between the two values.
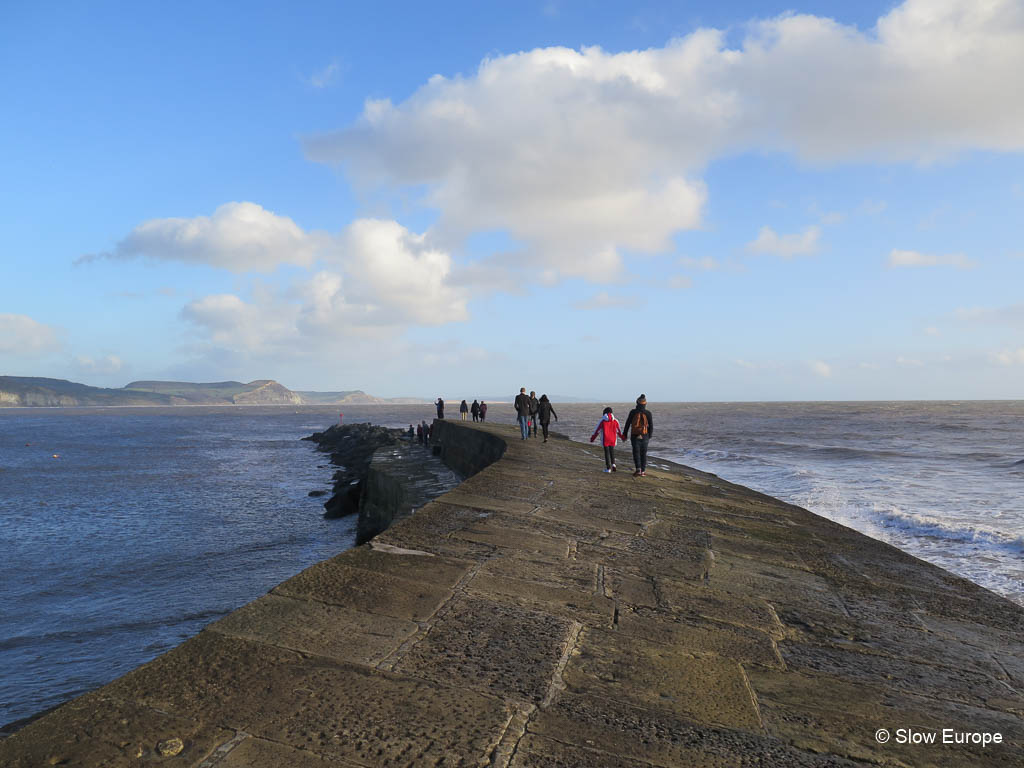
[639, 424]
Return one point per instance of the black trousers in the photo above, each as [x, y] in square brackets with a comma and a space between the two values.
[609, 456]
[640, 452]
[544, 428]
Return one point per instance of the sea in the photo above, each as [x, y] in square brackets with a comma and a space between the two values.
[124, 531]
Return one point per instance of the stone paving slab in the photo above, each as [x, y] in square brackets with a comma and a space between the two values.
[312, 627]
[336, 584]
[702, 688]
[546, 614]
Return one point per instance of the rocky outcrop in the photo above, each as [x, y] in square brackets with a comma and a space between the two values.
[266, 393]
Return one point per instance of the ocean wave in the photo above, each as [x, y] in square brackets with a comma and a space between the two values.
[927, 525]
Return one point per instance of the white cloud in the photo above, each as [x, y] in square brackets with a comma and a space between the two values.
[241, 237]
[786, 246]
[898, 258]
[380, 279]
[325, 76]
[22, 336]
[822, 369]
[604, 300]
[931, 330]
[908, 362]
[1010, 356]
[583, 155]
[102, 366]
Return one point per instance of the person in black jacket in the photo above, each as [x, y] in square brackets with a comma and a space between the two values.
[544, 413]
[642, 424]
[522, 406]
[440, 408]
[474, 410]
[533, 411]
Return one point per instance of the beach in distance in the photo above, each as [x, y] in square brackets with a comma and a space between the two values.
[152, 522]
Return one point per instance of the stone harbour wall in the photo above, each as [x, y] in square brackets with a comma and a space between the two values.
[543, 613]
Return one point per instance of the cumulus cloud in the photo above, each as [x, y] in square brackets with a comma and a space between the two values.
[583, 155]
[241, 237]
[787, 246]
[898, 258]
[380, 279]
[22, 336]
[822, 369]
[705, 263]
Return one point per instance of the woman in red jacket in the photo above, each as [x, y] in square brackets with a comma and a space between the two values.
[610, 432]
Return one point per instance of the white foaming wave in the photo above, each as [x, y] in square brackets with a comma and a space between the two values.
[928, 525]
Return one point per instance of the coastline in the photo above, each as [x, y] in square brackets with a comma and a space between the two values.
[548, 596]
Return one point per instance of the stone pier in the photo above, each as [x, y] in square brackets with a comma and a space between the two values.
[545, 614]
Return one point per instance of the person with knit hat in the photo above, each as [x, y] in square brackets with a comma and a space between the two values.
[641, 423]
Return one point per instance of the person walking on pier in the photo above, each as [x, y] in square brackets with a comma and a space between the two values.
[544, 413]
[463, 410]
[642, 424]
[483, 410]
[474, 409]
[440, 408]
[608, 427]
[522, 406]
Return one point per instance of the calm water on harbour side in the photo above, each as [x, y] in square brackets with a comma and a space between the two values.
[154, 522]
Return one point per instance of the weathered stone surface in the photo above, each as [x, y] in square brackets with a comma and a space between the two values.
[535, 617]
[312, 627]
[702, 688]
[497, 647]
[337, 584]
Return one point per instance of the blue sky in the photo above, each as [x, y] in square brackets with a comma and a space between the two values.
[702, 201]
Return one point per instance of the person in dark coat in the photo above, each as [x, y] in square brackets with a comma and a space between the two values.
[483, 410]
[522, 406]
[463, 410]
[641, 422]
[440, 408]
[474, 409]
[544, 413]
[419, 433]
[533, 411]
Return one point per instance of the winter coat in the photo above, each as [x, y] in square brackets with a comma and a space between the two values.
[545, 411]
[629, 423]
[609, 427]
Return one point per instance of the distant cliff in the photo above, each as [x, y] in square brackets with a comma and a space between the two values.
[23, 391]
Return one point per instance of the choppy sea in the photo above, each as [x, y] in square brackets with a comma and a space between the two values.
[124, 531]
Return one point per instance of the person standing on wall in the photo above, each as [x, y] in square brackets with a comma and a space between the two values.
[483, 410]
[474, 409]
[463, 410]
[608, 428]
[544, 413]
[440, 408]
[641, 423]
[522, 406]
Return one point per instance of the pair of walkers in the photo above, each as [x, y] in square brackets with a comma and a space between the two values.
[640, 422]
[530, 412]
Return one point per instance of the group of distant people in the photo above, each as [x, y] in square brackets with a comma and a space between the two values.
[422, 433]
[530, 412]
[478, 409]
[533, 413]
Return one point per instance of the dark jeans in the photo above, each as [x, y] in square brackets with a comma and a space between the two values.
[544, 428]
[609, 456]
[640, 452]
